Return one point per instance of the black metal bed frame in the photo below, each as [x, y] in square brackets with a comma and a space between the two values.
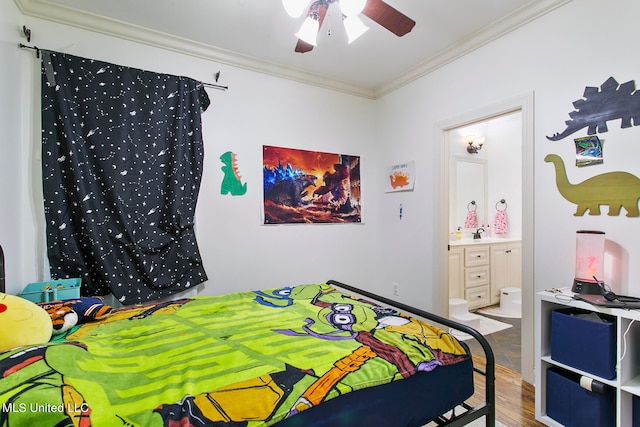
[487, 408]
[2, 284]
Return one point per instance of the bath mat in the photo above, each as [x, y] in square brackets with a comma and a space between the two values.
[487, 326]
[498, 312]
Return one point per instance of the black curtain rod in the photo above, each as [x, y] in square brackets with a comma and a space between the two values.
[24, 46]
[214, 86]
[205, 84]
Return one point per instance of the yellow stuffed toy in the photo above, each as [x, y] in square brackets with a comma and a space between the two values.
[23, 322]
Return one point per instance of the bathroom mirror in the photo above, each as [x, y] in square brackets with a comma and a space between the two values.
[468, 183]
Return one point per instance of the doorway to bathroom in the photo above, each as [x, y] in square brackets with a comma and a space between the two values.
[505, 176]
[485, 216]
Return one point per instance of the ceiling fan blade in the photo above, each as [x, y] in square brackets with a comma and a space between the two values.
[302, 47]
[389, 17]
[320, 7]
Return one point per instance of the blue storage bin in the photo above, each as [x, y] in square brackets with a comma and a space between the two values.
[584, 344]
[52, 290]
[636, 411]
[573, 406]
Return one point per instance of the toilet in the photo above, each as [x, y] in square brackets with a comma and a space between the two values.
[459, 312]
[511, 300]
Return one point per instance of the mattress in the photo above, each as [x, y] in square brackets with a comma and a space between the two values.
[412, 402]
[307, 355]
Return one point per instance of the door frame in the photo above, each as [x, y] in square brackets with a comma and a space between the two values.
[525, 104]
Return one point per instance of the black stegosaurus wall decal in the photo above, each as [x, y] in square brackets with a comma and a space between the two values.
[610, 101]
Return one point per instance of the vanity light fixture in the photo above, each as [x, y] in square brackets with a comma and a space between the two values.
[475, 145]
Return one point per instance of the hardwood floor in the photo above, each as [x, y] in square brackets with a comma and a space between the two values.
[505, 344]
[515, 404]
[515, 399]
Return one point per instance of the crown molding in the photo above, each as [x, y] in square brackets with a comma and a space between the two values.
[61, 14]
[511, 22]
[46, 10]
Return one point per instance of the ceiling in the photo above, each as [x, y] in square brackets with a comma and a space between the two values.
[259, 35]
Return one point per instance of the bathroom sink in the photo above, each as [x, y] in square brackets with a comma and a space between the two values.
[484, 240]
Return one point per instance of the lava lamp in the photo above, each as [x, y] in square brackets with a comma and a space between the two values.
[589, 263]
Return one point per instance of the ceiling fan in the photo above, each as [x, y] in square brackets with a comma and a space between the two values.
[376, 10]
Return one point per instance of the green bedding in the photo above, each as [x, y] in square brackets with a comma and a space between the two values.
[243, 359]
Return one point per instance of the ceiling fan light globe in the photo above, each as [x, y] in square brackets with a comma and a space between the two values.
[354, 27]
[294, 8]
[308, 33]
[352, 7]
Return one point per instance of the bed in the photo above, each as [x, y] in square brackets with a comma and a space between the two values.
[311, 355]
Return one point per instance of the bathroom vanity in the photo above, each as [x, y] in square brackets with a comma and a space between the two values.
[479, 269]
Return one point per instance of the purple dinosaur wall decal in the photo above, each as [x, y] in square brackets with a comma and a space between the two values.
[610, 101]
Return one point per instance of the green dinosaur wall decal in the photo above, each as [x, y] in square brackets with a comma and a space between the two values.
[613, 189]
[231, 182]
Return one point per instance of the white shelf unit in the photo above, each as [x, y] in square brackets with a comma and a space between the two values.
[627, 381]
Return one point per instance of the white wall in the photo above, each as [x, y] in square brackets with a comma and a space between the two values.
[239, 253]
[12, 178]
[580, 44]
[504, 145]
[556, 58]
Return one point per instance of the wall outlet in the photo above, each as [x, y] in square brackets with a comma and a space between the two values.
[396, 289]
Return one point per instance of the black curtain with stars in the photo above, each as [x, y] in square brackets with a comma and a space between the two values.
[122, 157]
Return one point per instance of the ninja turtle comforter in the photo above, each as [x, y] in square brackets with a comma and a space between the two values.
[243, 359]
